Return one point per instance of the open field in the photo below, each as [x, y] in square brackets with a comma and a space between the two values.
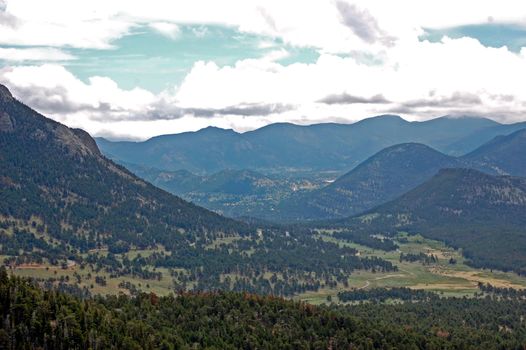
[88, 274]
[447, 279]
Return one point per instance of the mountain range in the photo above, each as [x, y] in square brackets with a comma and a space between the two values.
[381, 178]
[384, 176]
[398, 169]
[75, 199]
[274, 196]
[283, 147]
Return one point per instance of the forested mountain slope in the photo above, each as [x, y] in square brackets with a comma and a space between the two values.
[396, 170]
[382, 177]
[56, 177]
[504, 154]
[234, 193]
[484, 215]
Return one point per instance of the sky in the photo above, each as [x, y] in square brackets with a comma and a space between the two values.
[126, 69]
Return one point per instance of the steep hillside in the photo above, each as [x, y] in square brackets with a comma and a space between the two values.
[482, 214]
[504, 154]
[56, 178]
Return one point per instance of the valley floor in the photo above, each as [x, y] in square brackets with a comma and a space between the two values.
[443, 277]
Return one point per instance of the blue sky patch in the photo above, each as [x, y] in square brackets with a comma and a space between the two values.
[488, 34]
[146, 58]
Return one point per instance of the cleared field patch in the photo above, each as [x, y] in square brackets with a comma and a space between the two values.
[498, 280]
[443, 277]
[87, 276]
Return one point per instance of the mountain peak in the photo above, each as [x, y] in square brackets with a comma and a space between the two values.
[409, 146]
[384, 118]
[389, 116]
[215, 129]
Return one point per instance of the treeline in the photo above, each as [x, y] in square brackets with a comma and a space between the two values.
[33, 318]
[507, 293]
[426, 259]
[384, 294]
[273, 263]
[461, 323]
[367, 239]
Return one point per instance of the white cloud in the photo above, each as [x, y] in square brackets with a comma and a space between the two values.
[61, 23]
[362, 23]
[451, 71]
[170, 30]
[34, 54]
[315, 23]
[386, 69]
[54, 91]
[418, 80]
[102, 108]
[276, 55]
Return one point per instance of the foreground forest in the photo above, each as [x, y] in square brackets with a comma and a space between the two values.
[33, 318]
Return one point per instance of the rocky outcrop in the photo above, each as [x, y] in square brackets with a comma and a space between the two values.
[87, 140]
[5, 94]
[6, 123]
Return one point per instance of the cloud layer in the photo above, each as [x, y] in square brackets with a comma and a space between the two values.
[371, 61]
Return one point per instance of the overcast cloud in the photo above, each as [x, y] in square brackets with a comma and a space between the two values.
[370, 59]
[345, 98]
[363, 24]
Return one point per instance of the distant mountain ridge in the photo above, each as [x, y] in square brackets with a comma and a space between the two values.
[384, 176]
[235, 193]
[289, 147]
[396, 170]
[504, 154]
